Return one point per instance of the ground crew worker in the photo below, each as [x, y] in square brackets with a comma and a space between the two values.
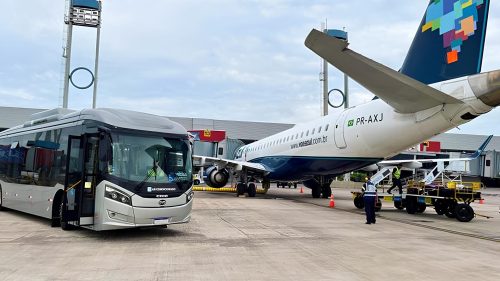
[155, 171]
[370, 199]
[396, 181]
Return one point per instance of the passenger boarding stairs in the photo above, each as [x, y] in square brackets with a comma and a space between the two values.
[381, 175]
[429, 178]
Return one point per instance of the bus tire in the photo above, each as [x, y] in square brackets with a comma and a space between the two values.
[358, 202]
[64, 224]
[56, 210]
[252, 190]
[1, 199]
[464, 212]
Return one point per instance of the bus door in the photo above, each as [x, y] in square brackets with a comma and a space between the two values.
[80, 182]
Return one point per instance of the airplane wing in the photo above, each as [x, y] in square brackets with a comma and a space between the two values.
[476, 154]
[203, 161]
[404, 94]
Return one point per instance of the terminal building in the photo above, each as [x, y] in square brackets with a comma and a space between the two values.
[221, 138]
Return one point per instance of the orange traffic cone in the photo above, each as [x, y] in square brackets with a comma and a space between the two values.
[332, 203]
[481, 201]
[301, 190]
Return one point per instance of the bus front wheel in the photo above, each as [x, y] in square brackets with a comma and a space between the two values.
[1, 199]
[64, 224]
[56, 210]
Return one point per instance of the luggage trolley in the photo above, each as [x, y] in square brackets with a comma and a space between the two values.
[451, 199]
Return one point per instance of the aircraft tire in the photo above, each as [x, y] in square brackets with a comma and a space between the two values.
[252, 190]
[464, 212]
[316, 192]
[326, 191]
[240, 189]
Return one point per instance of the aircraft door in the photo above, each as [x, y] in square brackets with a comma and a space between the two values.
[339, 130]
[80, 181]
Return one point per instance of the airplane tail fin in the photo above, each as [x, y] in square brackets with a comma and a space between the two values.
[481, 148]
[449, 42]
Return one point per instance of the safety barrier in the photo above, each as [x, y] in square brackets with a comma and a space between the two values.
[224, 189]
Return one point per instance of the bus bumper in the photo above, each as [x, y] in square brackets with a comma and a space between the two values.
[119, 216]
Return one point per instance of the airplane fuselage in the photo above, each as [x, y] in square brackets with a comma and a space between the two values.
[359, 136]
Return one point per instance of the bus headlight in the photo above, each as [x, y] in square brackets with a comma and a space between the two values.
[116, 195]
[189, 196]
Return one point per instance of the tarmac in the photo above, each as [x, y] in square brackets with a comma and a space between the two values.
[283, 235]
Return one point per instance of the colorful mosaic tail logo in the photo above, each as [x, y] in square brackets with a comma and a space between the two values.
[456, 21]
[449, 41]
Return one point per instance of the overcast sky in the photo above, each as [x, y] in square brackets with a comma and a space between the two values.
[220, 59]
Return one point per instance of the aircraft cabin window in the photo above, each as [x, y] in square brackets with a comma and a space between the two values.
[307, 133]
[297, 136]
[313, 131]
[319, 130]
[288, 138]
[326, 128]
[302, 135]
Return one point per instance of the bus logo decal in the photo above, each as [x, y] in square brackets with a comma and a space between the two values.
[162, 202]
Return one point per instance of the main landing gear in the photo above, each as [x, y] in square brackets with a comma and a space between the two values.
[319, 188]
[242, 188]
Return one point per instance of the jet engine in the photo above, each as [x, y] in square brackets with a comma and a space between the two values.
[216, 178]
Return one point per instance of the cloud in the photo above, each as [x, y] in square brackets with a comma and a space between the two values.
[8, 95]
[221, 59]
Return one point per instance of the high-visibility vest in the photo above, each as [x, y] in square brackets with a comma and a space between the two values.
[158, 173]
[397, 173]
[371, 189]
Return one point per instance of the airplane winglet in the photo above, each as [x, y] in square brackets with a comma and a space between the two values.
[404, 94]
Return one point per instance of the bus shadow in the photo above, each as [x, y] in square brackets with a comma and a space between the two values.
[134, 234]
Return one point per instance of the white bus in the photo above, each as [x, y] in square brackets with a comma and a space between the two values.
[98, 168]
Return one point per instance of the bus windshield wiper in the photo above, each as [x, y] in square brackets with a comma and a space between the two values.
[149, 174]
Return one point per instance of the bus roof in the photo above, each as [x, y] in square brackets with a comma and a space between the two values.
[121, 118]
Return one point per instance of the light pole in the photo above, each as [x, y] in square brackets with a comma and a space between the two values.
[85, 13]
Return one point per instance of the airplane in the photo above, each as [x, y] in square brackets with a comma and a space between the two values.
[439, 87]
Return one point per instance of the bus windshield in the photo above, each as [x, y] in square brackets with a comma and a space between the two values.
[149, 159]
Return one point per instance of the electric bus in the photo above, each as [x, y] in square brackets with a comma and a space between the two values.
[100, 169]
